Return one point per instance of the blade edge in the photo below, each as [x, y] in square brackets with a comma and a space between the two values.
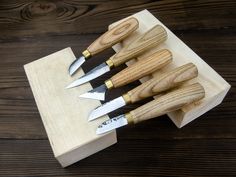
[112, 124]
[93, 74]
[98, 93]
[107, 108]
[75, 65]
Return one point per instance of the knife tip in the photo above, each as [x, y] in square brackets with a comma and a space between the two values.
[76, 64]
[69, 86]
[72, 69]
[88, 95]
[91, 117]
[71, 73]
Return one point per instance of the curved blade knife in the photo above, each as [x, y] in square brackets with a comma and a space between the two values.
[108, 39]
[150, 88]
[151, 38]
[133, 72]
[171, 101]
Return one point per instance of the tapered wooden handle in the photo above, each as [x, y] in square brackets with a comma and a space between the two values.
[172, 101]
[151, 38]
[113, 36]
[164, 82]
[142, 68]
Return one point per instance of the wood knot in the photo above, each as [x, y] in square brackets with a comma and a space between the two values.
[42, 7]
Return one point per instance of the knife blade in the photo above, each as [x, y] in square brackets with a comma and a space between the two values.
[166, 81]
[151, 38]
[108, 39]
[171, 101]
[134, 72]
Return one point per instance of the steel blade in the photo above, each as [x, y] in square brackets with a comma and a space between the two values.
[76, 64]
[94, 73]
[107, 108]
[112, 124]
[97, 93]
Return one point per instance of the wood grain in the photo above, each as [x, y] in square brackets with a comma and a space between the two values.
[162, 83]
[113, 36]
[206, 147]
[65, 128]
[151, 38]
[142, 68]
[215, 86]
[171, 157]
[27, 18]
[17, 103]
[169, 102]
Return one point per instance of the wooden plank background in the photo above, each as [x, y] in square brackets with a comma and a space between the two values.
[32, 29]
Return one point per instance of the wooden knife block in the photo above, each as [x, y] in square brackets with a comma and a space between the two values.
[215, 86]
[64, 115]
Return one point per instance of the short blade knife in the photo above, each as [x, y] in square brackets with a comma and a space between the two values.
[171, 101]
[108, 39]
[151, 38]
[154, 86]
[132, 73]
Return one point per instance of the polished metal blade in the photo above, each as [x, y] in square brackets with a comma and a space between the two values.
[97, 93]
[112, 124]
[76, 64]
[94, 73]
[107, 108]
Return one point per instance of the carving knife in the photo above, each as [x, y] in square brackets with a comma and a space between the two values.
[151, 38]
[150, 88]
[108, 39]
[133, 72]
[171, 101]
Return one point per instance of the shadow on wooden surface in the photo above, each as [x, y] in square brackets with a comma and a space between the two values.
[33, 29]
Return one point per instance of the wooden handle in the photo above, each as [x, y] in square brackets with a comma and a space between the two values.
[142, 68]
[113, 36]
[151, 38]
[164, 82]
[172, 101]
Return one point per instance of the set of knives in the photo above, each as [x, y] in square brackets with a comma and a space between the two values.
[174, 94]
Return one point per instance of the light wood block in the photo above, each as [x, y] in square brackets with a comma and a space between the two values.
[215, 86]
[63, 113]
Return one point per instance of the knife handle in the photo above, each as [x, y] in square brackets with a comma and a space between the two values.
[162, 83]
[113, 36]
[172, 101]
[151, 38]
[140, 69]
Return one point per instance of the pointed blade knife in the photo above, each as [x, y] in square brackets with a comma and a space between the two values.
[171, 101]
[108, 39]
[134, 72]
[166, 81]
[151, 38]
